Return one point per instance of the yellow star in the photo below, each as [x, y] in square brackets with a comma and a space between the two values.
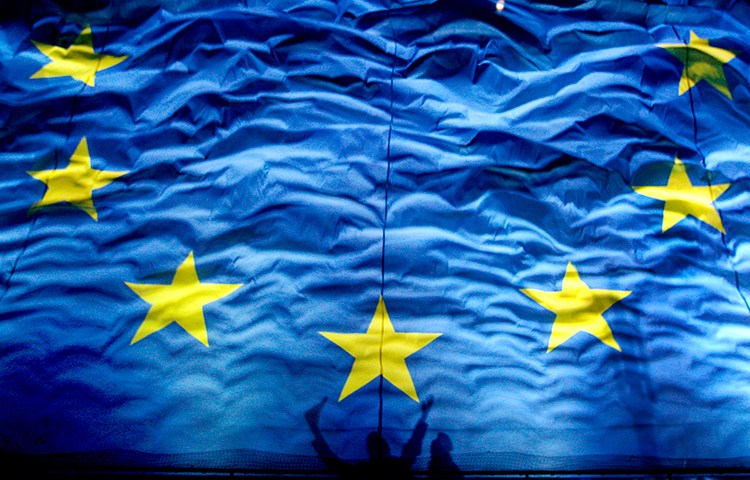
[683, 199]
[75, 183]
[380, 351]
[78, 60]
[181, 301]
[579, 309]
[702, 62]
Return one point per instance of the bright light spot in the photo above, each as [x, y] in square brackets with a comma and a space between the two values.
[500, 5]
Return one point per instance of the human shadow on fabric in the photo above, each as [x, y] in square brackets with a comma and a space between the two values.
[381, 463]
[441, 461]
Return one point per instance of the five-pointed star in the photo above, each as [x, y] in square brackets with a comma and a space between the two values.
[380, 351]
[75, 183]
[578, 308]
[683, 199]
[702, 62]
[181, 301]
[78, 60]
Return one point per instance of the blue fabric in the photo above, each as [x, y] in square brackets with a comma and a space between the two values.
[445, 155]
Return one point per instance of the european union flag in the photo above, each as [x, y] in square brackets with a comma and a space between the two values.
[420, 236]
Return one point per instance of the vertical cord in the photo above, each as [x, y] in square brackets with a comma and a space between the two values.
[385, 224]
[705, 168]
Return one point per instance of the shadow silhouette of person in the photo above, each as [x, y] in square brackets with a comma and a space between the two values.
[381, 463]
[441, 462]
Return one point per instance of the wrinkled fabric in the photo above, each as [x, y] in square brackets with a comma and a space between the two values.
[445, 155]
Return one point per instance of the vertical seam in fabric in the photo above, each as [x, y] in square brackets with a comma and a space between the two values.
[387, 175]
[708, 176]
[385, 224]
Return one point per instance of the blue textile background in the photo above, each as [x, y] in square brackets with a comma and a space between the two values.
[445, 155]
